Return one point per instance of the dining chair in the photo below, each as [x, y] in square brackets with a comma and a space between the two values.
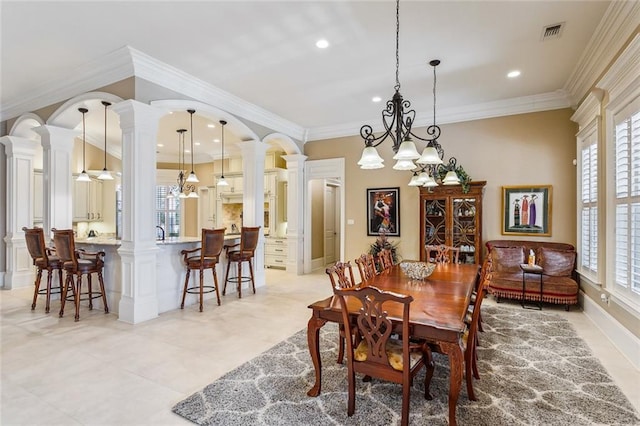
[245, 253]
[442, 254]
[385, 259]
[78, 263]
[366, 266]
[341, 276]
[44, 260]
[212, 242]
[378, 354]
[469, 340]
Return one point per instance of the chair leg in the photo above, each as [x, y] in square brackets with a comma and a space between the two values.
[351, 402]
[226, 277]
[340, 344]
[104, 294]
[406, 396]
[480, 323]
[186, 283]
[37, 284]
[68, 282]
[49, 274]
[77, 297]
[429, 374]
[201, 288]
[239, 279]
[215, 283]
[253, 282]
[468, 361]
[90, 291]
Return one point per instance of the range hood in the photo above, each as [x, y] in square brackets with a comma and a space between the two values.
[231, 197]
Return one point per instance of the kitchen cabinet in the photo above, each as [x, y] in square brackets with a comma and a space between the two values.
[275, 252]
[450, 217]
[38, 196]
[87, 201]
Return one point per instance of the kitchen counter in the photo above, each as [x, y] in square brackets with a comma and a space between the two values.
[110, 241]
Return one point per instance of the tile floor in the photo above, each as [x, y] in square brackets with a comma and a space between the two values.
[100, 371]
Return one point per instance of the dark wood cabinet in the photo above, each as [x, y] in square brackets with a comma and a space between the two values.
[450, 217]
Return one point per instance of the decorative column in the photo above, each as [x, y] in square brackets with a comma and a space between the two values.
[139, 123]
[57, 144]
[253, 156]
[295, 213]
[20, 153]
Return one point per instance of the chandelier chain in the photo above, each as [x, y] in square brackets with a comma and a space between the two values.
[397, 86]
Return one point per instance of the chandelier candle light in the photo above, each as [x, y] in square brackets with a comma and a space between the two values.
[83, 177]
[398, 119]
[222, 181]
[106, 174]
[192, 176]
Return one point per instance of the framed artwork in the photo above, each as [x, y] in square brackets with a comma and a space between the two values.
[383, 211]
[526, 210]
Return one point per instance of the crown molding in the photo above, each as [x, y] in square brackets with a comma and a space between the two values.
[100, 72]
[619, 22]
[165, 75]
[619, 79]
[589, 108]
[522, 105]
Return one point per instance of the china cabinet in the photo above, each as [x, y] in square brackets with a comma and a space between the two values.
[449, 216]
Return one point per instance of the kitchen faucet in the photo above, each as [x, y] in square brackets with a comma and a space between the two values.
[162, 229]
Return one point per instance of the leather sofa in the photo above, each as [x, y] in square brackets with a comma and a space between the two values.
[558, 262]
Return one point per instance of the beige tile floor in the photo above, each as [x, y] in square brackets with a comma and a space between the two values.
[100, 371]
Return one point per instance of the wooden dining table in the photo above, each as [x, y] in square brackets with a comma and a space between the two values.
[437, 315]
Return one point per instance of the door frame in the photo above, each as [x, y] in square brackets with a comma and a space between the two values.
[332, 168]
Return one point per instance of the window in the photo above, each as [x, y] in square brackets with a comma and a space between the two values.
[588, 262]
[167, 211]
[627, 201]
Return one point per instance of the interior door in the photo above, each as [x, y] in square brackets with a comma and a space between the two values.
[329, 224]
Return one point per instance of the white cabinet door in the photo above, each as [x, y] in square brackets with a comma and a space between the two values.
[95, 200]
[80, 201]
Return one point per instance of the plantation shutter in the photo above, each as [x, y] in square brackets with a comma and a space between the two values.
[589, 198]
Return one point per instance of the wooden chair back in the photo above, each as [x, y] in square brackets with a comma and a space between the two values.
[385, 259]
[65, 244]
[249, 237]
[36, 245]
[212, 243]
[442, 254]
[366, 266]
[341, 275]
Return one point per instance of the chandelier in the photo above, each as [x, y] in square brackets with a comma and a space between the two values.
[105, 174]
[83, 176]
[398, 119]
[183, 189]
[222, 181]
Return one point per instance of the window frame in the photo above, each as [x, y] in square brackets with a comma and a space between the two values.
[589, 136]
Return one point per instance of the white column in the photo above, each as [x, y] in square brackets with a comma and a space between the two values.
[57, 144]
[295, 212]
[139, 123]
[20, 153]
[253, 156]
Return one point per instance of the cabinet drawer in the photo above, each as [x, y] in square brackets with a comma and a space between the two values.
[277, 250]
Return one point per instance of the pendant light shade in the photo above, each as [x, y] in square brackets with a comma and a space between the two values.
[430, 182]
[451, 178]
[370, 159]
[222, 181]
[429, 156]
[192, 176]
[404, 165]
[83, 176]
[105, 174]
[407, 151]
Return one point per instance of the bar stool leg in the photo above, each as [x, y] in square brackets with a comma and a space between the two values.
[226, 277]
[46, 308]
[215, 283]
[239, 279]
[63, 297]
[77, 297]
[186, 283]
[253, 283]
[37, 284]
[201, 288]
[90, 293]
[104, 294]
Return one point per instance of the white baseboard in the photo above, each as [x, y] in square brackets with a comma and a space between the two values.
[623, 339]
[317, 264]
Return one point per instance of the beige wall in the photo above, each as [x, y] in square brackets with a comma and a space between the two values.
[525, 149]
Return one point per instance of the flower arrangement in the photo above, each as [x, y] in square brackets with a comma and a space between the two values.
[381, 243]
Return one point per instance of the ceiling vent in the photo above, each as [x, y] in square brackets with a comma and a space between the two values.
[552, 31]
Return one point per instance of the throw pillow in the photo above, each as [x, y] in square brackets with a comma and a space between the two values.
[507, 259]
[557, 263]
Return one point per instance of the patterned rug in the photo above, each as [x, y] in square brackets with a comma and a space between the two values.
[534, 370]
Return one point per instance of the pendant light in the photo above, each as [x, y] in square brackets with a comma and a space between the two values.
[192, 176]
[181, 179]
[83, 177]
[106, 174]
[222, 181]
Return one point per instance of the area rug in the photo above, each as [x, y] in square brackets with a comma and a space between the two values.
[534, 370]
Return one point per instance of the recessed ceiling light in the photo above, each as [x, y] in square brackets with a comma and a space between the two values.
[160, 145]
[187, 150]
[376, 99]
[216, 140]
[322, 44]
[513, 74]
[196, 143]
[211, 125]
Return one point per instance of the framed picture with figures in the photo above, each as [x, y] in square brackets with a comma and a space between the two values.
[526, 210]
[383, 211]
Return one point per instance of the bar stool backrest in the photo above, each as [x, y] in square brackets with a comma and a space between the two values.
[65, 245]
[212, 242]
[249, 240]
[36, 246]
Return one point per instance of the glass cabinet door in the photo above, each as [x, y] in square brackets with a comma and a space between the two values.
[435, 217]
[464, 228]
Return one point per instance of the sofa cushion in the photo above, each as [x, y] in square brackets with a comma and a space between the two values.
[507, 259]
[557, 263]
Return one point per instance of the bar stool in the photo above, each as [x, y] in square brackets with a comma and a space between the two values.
[248, 243]
[43, 260]
[78, 263]
[210, 249]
